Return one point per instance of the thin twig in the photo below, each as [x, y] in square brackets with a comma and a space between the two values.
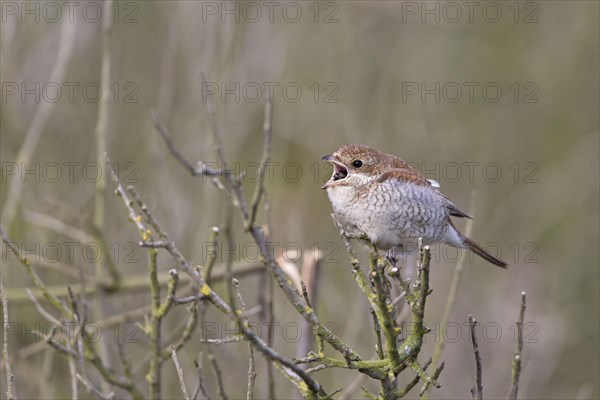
[270, 334]
[200, 384]
[93, 389]
[477, 390]
[516, 364]
[41, 309]
[211, 295]
[189, 329]
[146, 234]
[434, 377]
[251, 373]
[377, 328]
[260, 186]
[53, 300]
[168, 138]
[10, 388]
[124, 361]
[179, 370]
[251, 370]
[218, 375]
[412, 383]
[212, 255]
[90, 351]
[288, 367]
[154, 327]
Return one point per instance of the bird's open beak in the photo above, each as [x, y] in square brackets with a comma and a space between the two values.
[340, 171]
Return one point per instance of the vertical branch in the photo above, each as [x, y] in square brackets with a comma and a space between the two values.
[270, 334]
[154, 329]
[260, 188]
[377, 328]
[10, 389]
[387, 324]
[100, 134]
[102, 122]
[419, 311]
[74, 384]
[251, 373]
[186, 396]
[212, 256]
[159, 311]
[200, 384]
[516, 364]
[218, 375]
[383, 312]
[251, 370]
[477, 390]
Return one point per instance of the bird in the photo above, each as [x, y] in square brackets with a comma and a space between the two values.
[380, 197]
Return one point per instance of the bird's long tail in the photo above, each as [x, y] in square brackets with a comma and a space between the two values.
[475, 248]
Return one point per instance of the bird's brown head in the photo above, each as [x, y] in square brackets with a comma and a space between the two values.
[356, 161]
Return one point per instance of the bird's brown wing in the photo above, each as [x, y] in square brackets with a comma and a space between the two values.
[408, 175]
[411, 175]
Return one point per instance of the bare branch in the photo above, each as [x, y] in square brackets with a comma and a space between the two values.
[251, 373]
[412, 383]
[186, 396]
[218, 375]
[10, 388]
[93, 389]
[260, 186]
[55, 301]
[377, 328]
[200, 384]
[164, 133]
[477, 390]
[516, 364]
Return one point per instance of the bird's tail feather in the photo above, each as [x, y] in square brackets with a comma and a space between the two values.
[475, 248]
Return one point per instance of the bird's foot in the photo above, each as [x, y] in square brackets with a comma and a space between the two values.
[393, 255]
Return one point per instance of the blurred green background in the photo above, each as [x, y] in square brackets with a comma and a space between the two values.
[498, 98]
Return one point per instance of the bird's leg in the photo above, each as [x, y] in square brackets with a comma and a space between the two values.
[393, 255]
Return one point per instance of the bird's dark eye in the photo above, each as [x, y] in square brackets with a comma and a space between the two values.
[357, 163]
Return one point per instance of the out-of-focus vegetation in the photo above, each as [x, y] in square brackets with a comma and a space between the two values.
[503, 104]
